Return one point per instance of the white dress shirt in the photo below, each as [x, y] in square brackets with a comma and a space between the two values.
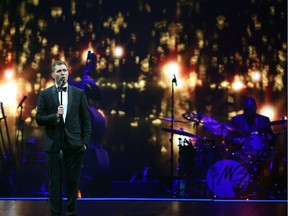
[64, 100]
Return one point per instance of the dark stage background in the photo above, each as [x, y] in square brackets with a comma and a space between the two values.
[225, 50]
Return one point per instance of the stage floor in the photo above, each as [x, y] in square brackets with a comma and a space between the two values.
[148, 207]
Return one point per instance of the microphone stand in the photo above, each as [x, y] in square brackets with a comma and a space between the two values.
[172, 134]
[20, 129]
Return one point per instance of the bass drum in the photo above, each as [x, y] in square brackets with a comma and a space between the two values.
[228, 177]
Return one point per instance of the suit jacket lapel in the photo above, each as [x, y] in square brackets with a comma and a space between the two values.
[70, 98]
[55, 95]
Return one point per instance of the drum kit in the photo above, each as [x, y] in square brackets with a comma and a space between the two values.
[212, 168]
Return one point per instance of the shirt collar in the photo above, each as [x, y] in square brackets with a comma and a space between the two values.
[65, 86]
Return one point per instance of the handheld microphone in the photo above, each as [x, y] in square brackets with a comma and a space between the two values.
[61, 82]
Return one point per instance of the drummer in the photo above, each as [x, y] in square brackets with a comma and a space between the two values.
[251, 123]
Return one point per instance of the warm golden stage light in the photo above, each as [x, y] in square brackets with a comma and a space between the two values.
[118, 52]
[9, 74]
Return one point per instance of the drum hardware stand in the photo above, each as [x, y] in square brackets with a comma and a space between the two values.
[195, 126]
[183, 171]
[255, 170]
[190, 182]
[262, 157]
[202, 170]
[199, 181]
[282, 190]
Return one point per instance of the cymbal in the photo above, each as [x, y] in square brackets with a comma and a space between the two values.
[170, 120]
[279, 122]
[180, 132]
[198, 118]
[219, 128]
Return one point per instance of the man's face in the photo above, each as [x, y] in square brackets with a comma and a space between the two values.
[60, 72]
[249, 108]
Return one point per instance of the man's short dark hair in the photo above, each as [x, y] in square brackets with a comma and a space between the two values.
[58, 62]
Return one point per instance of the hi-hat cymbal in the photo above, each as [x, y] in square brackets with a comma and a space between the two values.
[179, 132]
[198, 118]
[279, 122]
[219, 128]
[174, 120]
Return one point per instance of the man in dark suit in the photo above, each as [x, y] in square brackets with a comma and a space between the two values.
[250, 124]
[63, 110]
[254, 142]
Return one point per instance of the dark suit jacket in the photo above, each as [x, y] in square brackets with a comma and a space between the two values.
[77, 126]
[261, 125]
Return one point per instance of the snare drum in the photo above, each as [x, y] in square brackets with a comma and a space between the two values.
[228, 177]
